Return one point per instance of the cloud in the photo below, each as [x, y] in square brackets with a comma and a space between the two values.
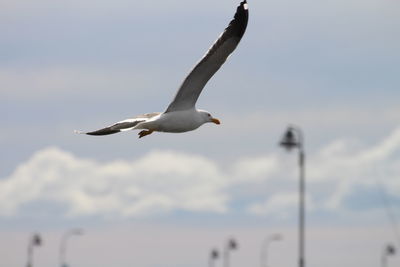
[159, 182]
[281, 205]
[255, 168]
[349, 166]
[342, 176]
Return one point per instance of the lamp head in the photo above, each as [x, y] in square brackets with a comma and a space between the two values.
[36, 240]
[390, 250]
[214, 254]
[289, 140]
[232, 244]
[77, 231]
[276, 237]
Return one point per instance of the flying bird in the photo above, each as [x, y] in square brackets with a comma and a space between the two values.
[181, 114]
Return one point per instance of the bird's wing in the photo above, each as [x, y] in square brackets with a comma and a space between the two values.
[193, 84]
[121, 126]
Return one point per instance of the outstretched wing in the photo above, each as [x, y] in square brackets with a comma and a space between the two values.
[194, 83]
[121, 126]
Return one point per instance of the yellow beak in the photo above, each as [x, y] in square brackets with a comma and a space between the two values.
[216, 121]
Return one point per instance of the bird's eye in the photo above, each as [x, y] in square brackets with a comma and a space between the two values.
[209, 115]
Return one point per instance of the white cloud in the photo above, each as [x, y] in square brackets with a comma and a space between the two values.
[158, 182]
[282, 205]
[349, 166]
[342, 175]
[255, 168]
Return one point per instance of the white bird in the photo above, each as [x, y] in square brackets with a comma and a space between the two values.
[181, 114]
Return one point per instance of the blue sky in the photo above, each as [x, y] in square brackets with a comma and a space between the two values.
[330, 67]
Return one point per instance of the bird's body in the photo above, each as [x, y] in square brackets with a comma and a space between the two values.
[181, 114]
[176, 121]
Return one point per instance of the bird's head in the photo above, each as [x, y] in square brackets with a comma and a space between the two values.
[206, 116]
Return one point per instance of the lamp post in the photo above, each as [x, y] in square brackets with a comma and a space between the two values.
[230, 245]
[388, 250]
[63, 244]
[213, 256]
[293, 138]
[265, 246]
[35, 240]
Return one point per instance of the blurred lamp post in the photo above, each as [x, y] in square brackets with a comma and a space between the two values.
[213, 256]
[230, 245]
[264, 248]
[63, 244]
[293, 138]
[388, 250]
[35, 240]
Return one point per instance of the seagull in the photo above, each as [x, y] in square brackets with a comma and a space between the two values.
[181, 114]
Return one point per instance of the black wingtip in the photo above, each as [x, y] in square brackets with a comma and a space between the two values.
[239, 22]
[105, 131]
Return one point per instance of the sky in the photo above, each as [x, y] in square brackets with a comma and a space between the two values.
[329, 67]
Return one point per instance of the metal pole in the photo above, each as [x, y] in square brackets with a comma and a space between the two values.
[30, 254]
[293, 138]
[264, 253]
[63, 249]
[213, 256]
[265, 246]
[388, 250]
[302, 189]
[226, 257]
[230, 245]
[63, 245]
[384, 260]
[35, 240]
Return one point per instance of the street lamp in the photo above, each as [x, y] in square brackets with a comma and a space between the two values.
[35, 240]
[264, 248]
[213, 256]
[230, 245]
[293, 138]
[388, 250]
[63, 244]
